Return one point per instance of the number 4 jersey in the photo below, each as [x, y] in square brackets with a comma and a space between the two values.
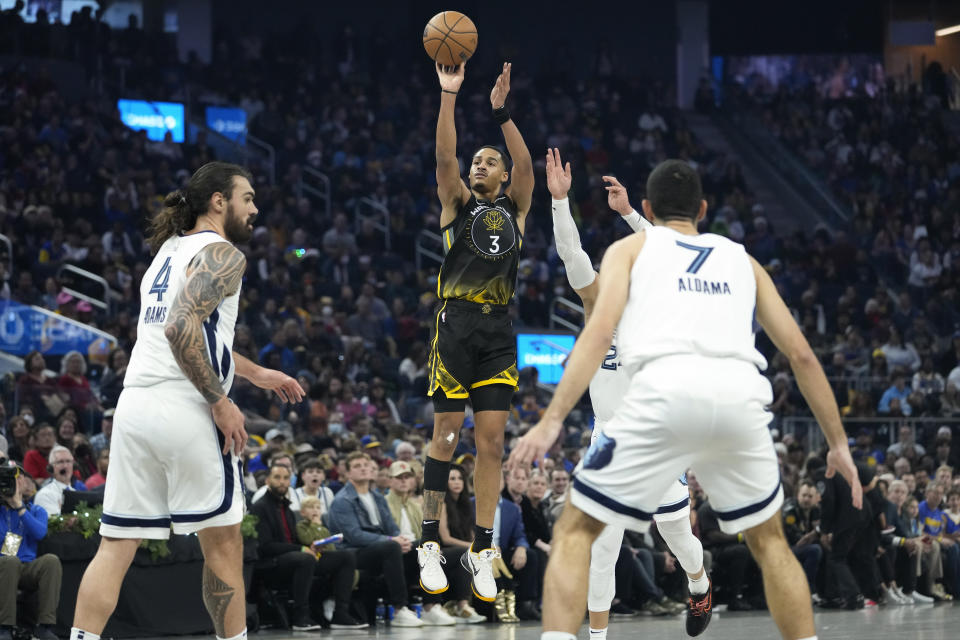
[152, 361]
[689, 295]
[481, 250]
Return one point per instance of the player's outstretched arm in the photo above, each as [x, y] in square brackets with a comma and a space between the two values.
[521, 178]
[576, 262]
[451, 189]
[776, 319]
[286, 388]
[588, 352]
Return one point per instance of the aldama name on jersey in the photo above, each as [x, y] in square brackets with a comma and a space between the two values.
[710, 287]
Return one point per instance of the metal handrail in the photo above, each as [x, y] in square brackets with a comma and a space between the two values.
[423, 252]
[108, 294]
[5, 240]
[809, 430]
[325, 194]
[271, 153]
[557, 319]
[380, 210]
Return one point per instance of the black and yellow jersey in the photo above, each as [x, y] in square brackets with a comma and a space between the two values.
[481, 250]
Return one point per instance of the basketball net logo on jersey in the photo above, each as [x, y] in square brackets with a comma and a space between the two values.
[491, 231]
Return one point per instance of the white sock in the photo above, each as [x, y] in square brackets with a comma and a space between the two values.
[598, 634]
[699, 586]
[557, 635]
[240, 636]
[80, 634]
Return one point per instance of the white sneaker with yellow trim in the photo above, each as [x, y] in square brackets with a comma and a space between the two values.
[480, 566]
[432, 578]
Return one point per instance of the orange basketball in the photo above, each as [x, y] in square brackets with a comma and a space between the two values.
[450, 38]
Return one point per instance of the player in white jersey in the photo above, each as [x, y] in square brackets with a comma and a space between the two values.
[683, 306]
[607, 389]
[177, 438]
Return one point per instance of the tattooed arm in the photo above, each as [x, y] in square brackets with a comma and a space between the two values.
[213, 274]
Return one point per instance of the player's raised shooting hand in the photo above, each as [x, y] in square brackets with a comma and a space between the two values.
[229, 419]
[617, 196]
[533, 446]
[839, 459]
[559, 177]
[451, 77]
[501, 88]
[286, 388]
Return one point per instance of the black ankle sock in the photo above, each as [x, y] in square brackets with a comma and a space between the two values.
[482, 538]
[431, 531]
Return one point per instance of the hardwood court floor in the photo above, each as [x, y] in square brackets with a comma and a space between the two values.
[923, 622]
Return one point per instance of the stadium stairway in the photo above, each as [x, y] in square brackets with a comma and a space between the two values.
[785, 206]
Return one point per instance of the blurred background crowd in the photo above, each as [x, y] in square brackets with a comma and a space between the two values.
[338, 295]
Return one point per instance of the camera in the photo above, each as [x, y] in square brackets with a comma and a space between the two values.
[8, 481]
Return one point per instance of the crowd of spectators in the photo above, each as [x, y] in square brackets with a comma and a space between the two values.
[326, 302]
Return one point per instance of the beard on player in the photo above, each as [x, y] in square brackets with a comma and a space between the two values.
[238, 227]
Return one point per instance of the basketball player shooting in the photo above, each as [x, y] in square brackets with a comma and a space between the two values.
[683, 306]
[177, 438]
[473, 354]
[607, 389]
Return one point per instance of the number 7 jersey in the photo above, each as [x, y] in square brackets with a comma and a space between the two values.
[152, 360]
[689, 295]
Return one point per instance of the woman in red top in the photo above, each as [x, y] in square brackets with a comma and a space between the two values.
[35, 462]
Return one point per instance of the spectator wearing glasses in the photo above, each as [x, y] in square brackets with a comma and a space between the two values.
[50, 496]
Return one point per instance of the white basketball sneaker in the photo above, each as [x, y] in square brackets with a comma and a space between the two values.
[480, 566]
[432, 578]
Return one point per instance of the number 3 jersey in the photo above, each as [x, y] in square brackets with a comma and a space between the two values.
[152, 360]
[689, 295]
[481, 252]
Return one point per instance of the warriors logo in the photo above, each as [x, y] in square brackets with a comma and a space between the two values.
[492, 232]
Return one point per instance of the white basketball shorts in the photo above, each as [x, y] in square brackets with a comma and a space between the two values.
[167, 467]
[683, 412]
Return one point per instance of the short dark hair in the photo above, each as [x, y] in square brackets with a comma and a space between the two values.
[504, 156]
[674, 191]
[357, 455]
[312, 463]
[280, 466]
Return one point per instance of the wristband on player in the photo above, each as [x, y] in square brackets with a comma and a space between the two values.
[501, 115]
[739, 537]
[636, 221]
[450, 92]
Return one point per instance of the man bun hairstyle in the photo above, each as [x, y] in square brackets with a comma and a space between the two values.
[674, 191]
[182, 207]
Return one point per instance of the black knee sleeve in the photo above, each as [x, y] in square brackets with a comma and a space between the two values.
[435, 475]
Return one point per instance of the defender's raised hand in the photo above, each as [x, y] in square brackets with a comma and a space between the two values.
[559, 177]
[617, 196]
[501, 88]
[451, 77]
